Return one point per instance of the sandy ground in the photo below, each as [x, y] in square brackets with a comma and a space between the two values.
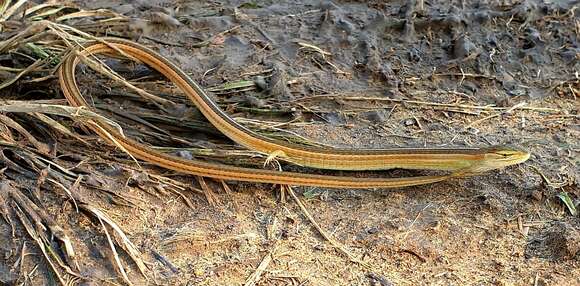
[505, 227]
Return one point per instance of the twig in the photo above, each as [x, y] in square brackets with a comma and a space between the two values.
[209, 195]
[115, 254]
[257, 274]
[34, 235]
[417, 102]
[62, 110]
[322, 232]
[22, 73]
[482, 119]
[40, 146]
[11, 10]
[103, 69]
[548, 181]
[135, 254]
[212, 38]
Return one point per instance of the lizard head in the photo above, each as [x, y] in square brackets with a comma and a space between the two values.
[499, 157]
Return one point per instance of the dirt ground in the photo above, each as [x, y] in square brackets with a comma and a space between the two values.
[351, 74]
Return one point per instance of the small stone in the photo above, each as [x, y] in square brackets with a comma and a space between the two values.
[533, 37]
[470, 86]
[260, 82]
[123, 9]
[253, 101]
[333, 118]
[164, 19]
[376, 116]
[184, 154]
[463, 47]
[409, 121]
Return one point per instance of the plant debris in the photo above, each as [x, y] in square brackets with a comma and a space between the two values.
[75, 209]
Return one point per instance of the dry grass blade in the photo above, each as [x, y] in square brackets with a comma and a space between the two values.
[44, 5]
[30, 230]
[32, 29]
[475, 122]
[57, 126]
[253, 279]
[11, 164]
[48, 13]
[314, 48]
[183, 197]
[229, 192]
[194, 236]
[426, 103]
[23, 202]
[66, 190]
[46, 163]
[6, 133]
[44, 222]
[91, 13]
[128, 245]
[3, 6]
[42, 147]
[60, 30]
[166, 186]
[10, 11]
[65, 36]
[4, 209]
[115, 254]
[323, 55]
[62, 110]
[22, 73]
[20, 262]
[171, 183]
[105, 70]
[116, 143]
[271, 229]
[272, 126]
[322, 232]
[10, 69]
[209, 195]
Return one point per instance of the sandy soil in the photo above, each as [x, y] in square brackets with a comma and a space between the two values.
[505, 227]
